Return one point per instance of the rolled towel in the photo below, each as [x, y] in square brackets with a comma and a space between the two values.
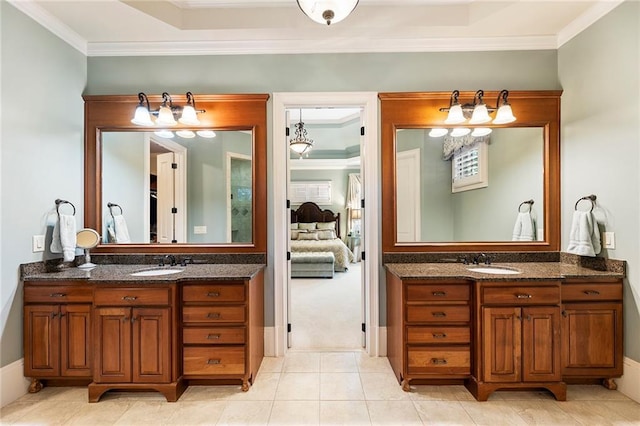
[64, 237]
[584, 237]
[524, 229]
[121, 230]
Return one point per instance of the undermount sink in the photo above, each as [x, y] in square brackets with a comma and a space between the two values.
[494, 270]
[155, 272]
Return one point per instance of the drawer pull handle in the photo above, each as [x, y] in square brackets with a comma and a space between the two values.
[439, 293]
[57, 295]
[213, 336]
[213, 361]
[213, 294]
[592, 293]
[439, 335]
[439, 314]
[130, 298]
[523, 296]
[438, 361]
[214, 315]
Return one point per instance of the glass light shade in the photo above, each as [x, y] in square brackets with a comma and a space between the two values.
[189, 116]
[142, 117]
[299, 147]
[206, 134]
[455, 115]
[164, 134]
[460, 131]
[437, 132]
[327, 11]
[187, 134]
[480, 115]
[481, 131]
[504, 115]
[165, 117]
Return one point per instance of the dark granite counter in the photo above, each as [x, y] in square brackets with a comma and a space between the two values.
[122, 273]
[527, 271]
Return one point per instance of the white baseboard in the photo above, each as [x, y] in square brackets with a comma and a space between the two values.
[269, 341]
[629, 383]
[13, 384]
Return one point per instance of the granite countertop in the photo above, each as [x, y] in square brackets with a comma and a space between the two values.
[528, 271]
[122, 273]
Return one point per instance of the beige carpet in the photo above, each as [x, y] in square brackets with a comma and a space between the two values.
[326, 313]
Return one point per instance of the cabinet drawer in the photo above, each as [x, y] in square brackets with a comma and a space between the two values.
[437, 293]
[521, 295]
[438, 313]
[213, 314]
[213, 335]
[586, 292]
[438, 360]
[132, 296]
[442, 335]
[213, 360]
[213, 293]
[55, 294]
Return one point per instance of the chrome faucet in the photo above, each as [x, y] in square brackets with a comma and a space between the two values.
[168, 257]
[482, 257]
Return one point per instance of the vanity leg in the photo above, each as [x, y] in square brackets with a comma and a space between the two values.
[245, 385]
[405, 385]
[35, 386]
[609, 384]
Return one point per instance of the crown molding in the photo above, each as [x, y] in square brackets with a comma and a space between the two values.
[325, 164]
[51, 23]
[585, 20]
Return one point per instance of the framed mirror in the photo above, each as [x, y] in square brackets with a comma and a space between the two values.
[151, 191]
[444, 193]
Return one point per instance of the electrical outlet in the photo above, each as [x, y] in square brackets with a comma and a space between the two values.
[37, 243]
[609, 240]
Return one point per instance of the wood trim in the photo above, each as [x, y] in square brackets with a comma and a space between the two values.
[223, 112]
[421, 109]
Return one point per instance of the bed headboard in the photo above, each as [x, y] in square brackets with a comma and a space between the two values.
[310, 212]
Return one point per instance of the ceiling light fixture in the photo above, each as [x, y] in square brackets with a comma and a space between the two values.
[167, 112]
[327, 11]
[478, 112]
[300, 143]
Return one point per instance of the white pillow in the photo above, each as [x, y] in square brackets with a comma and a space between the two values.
[327, 225]
[294, 234]
[308, 236]
[327, 234]
[294, 225]
[308, 226]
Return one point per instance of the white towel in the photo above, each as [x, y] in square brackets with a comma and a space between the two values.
[121, 230]
[524, 229]
[584, 238]
[64, 237]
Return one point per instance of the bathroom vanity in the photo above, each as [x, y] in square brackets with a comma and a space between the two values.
[549, 324]
[113, 330]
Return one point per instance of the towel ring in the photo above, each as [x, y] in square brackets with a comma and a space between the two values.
[591, 198]
[59, 201]
[111, 205]
[529, 202]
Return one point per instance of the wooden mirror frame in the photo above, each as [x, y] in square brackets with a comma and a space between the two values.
[415, 110]
[222, 112]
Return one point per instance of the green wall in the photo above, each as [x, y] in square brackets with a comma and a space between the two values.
[599, 71]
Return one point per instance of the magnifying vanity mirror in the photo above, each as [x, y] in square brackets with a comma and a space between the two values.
[465, 193]
[87, 239]
[156, 190]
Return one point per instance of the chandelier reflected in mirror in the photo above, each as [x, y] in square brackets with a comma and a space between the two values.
[300, 143]
[327, 11]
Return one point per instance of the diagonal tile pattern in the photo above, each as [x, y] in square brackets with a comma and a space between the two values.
[324, 388]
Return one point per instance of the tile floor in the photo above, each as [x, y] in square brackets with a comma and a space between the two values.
[318, 388]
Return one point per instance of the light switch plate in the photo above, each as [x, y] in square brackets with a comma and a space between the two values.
[609, 240]
[37, 243]
[200, 229]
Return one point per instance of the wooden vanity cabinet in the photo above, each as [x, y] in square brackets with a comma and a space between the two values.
[592, 330]
[428, 330]
[223, 330]
[517, 338]
[136, 345]
[57, 332]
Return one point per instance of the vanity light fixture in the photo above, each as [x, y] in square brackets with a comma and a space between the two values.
[186, 134]
[327, 11]
[209, 134]
[300, 143]
[167, 112]
[168, 134]
[478, 112]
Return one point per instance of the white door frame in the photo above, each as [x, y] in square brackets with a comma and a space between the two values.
[370, 177]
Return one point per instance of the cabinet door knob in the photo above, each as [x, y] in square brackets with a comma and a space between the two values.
[53, 314]
[214, 315]
[213, 361]
[439, 314]
[564, 313]
[439, 293]
[591, 292]
[213, 294]
[523, 296]
[213, 336]
[438, 361]
[125, 319]
[129, 298]
[439, 335]
[57, 295]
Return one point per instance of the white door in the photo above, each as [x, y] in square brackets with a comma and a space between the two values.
[171, 227]
[408, 195]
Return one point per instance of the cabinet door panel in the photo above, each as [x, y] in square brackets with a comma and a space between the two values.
[75, 330]
[42, 341]
[112, 331]
[502, 344]
[541, 344]
[152, 339]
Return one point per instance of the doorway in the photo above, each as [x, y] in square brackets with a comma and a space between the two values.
[369, 266]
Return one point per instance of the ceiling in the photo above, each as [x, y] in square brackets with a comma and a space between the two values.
[211, 27]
